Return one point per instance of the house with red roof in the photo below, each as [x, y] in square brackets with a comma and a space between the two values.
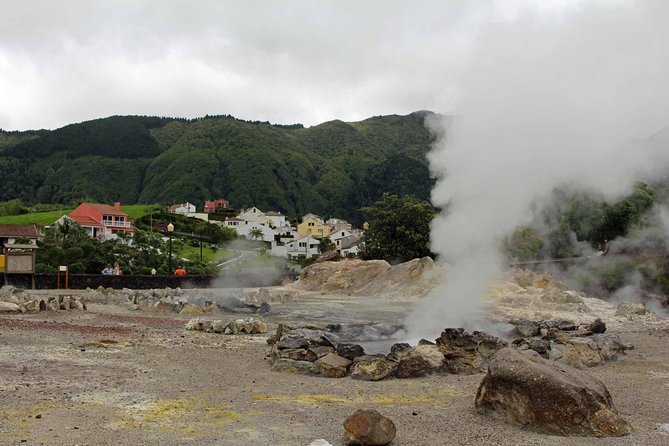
[11, 232]
[214, 205]
[101, 221]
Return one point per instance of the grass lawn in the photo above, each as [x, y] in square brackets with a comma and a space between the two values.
[134, 211]
[193, 253]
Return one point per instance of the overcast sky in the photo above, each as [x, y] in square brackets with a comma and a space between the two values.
[283, 61]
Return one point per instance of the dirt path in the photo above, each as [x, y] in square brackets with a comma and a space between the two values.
[110, 376]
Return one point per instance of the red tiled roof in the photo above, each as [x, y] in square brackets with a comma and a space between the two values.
[106, 209]
[82, 220]
[18, 231]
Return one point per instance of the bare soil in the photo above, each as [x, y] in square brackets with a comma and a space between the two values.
[110, 376]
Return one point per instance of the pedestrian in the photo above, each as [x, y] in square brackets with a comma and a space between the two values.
[108, 271]
[180, 271]
[117, 269]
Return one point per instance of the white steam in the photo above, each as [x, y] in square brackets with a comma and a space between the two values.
[548, 100]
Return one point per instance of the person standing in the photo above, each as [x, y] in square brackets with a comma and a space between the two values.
[180, 271]
[117, 269]
[108, 271]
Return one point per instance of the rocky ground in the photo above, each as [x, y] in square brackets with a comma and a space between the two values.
[116, 375]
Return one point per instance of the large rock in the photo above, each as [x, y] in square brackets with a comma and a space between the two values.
[9, 307]
[307, 338]
[350, 351]
[332, 365]
[547, 397]
[291, 366]
[629, 309]
[466, 352]
[412, 367]
[368, 427]
[372, 369]
[588, 351]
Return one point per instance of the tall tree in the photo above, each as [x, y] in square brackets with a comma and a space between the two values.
[399, 229]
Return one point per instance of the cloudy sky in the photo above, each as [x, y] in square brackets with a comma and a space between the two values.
[64, 61]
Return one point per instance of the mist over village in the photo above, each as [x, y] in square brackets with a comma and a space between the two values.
[334, 223]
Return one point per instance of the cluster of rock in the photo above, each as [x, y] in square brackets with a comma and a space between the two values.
[14, 300]
[316, 350]
[248, 325]
[579, 346]
[177, 300]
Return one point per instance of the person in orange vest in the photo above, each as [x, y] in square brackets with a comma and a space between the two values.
[180, 271]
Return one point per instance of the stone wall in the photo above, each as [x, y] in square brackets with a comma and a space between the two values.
[83, 281]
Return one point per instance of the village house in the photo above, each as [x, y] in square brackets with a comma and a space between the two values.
[101, 221]
[215, 205]
[348, 246]
[254, 215]
[277, 219]
[181, 208]
[11, 232]
[337, 224]
[284, 234]
[314, 225]
[306, 247]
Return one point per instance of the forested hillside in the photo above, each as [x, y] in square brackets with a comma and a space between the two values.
[332, 169]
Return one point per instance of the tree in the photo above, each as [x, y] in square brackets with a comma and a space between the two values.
[326, 245]
[256, 234]
[524, 244]
[399, 229]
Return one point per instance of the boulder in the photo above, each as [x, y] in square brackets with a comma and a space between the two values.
[412, 367]
[567, 325]
[31, 306]
[194, 324]
[527, 329]
[332, 365]
[368, 427]
[217, 326]
[547, 397]
[259, 327]
[597, 326]
[9, 307]
[430, 353]
[298, 354]
[350, 351]
[372, 369]
[466, 352]
[297, 367]
[191, 309]
[164, 307]
[321, 351]
[307, 338]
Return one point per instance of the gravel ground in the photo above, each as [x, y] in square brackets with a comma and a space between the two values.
[110, 376]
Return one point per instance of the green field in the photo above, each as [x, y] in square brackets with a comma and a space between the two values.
[48, 218]
[193, 253]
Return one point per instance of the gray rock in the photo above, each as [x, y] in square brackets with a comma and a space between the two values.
[9, 307]
[547, 397]
[597, 326]
[527, 329]
[350, 351]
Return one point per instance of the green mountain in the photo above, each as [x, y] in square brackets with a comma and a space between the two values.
[331, 169]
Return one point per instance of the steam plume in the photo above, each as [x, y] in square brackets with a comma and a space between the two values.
[548, 100]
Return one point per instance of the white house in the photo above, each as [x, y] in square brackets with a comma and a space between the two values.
[337, 236]
[181, 208]
[244, 228]
[277, 219]
[254, 215]
[337, 224]
[282, 236]
[348, 245]
[305, 246]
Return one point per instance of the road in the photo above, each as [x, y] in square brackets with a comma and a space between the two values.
[241, 257]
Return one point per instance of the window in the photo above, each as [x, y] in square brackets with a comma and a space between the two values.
[303, 244]
[311, 223]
